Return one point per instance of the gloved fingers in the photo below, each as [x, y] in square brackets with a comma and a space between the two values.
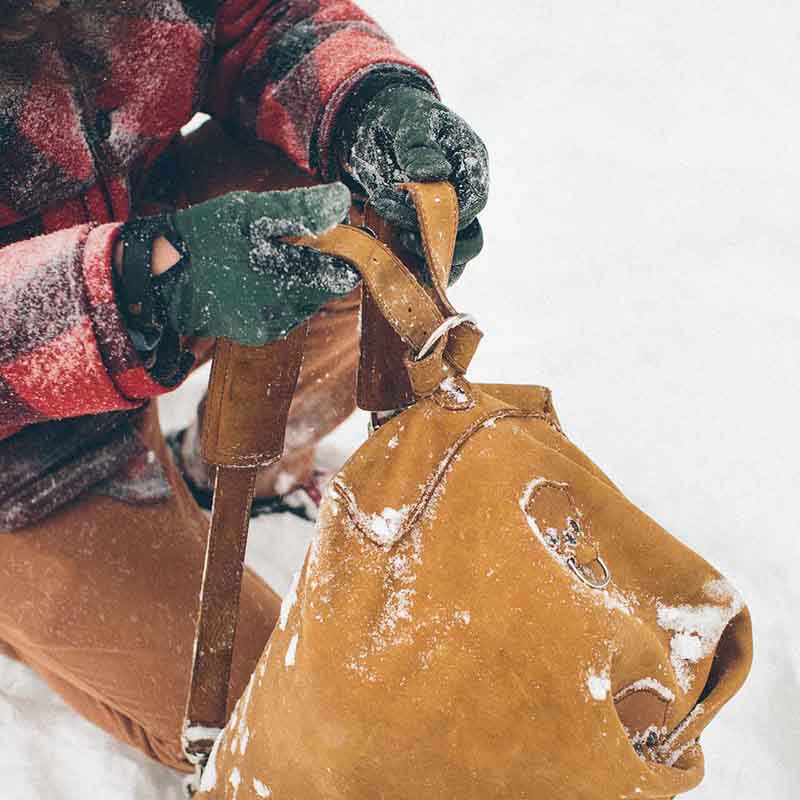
[424, 162]
[298, 212]
[302, 276]
[325, 277]
[417, 149]
[470, 175]
[468, 245]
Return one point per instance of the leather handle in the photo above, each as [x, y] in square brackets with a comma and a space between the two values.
[394, 294]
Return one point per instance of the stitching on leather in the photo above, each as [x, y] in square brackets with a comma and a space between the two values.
[416, 292]
[631, 689]
[218, 397]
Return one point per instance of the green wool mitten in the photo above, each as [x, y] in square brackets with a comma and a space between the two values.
[403, 133]
[239, 280]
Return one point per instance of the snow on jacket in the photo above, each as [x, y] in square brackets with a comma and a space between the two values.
[76, 146]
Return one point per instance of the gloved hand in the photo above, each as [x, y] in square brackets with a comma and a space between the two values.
[402, 134]
[239, 281]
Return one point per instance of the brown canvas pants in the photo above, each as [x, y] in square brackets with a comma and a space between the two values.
[100, 598]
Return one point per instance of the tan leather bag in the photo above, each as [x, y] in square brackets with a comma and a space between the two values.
[482, 613]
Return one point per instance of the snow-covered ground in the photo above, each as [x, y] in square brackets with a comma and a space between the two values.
[642, 260]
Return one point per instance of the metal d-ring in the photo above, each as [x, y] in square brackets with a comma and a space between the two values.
[581, 575]
[447, 325]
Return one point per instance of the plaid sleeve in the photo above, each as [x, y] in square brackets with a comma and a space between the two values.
[285, 67]
[64, 348]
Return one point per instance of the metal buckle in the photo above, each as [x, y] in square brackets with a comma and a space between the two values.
[581, 575]
[447, 325]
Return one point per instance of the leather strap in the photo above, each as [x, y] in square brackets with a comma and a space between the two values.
[413, 311]
[437, 211]
[249, 394]
[401, 299]
[244, 425]
[383, 384]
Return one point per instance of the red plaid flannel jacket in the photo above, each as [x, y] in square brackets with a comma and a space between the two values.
[75, 150]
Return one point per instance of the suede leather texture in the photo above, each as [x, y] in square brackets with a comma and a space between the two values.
[460, 656]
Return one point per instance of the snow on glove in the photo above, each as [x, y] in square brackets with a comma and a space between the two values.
[403, 133]
[240, 281]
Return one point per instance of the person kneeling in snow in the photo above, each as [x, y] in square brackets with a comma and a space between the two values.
[113, 285]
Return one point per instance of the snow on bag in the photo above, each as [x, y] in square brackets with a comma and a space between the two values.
[482, 613]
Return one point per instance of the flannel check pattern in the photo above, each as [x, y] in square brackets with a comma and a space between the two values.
[80, 133]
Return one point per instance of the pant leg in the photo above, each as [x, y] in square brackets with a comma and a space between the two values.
[101, 598]
[212, 164]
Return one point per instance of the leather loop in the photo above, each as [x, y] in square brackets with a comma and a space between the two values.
[426, 375]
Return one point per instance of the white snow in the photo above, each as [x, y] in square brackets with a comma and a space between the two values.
[598, 685]
[696, 630]
[451, 388]
[200, 733]
[386, 525]
[291, 651]
[641, 260]
[235, 780]
[208, 780]
[289, 599]
[261, 789]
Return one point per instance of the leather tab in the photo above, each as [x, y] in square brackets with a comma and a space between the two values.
[249, 395]
[437, 212]
[462, 343]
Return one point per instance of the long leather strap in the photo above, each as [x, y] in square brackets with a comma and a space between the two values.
[249, 395]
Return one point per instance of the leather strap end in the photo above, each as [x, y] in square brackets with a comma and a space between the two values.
[249, 395]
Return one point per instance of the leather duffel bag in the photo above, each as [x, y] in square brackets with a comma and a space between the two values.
[482, 613]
